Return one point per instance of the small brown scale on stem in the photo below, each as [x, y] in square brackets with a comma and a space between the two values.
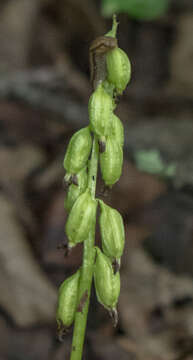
[74, 180]
[82, 301]
[102, 146]
[116, 266]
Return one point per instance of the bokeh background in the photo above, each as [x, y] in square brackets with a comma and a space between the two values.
[44, 92]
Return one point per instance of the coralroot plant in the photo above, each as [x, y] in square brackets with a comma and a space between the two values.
[100, 143]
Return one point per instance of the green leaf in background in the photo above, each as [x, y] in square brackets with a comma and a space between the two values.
[151, 162]
[139, 9]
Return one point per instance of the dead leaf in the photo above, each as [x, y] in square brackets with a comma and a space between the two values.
[25, 292]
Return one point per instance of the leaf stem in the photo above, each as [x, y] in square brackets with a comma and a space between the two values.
[87, 268]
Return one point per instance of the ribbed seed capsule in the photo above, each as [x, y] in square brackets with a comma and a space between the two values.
[111, 162]
[67, 302]
[107, 284]
[117, 130]
[78, 151]
[118, 69]
[81, 219]
[100, 109]
[75, 191]
[112, 231]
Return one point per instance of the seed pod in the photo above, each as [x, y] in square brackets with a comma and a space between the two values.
[78, 151]
[112, 231]
[117, 130]
[75, 191]
[111, 162]
[67, 302]
[100, 109]
[118, 69]
[107, 284]
[81, 219]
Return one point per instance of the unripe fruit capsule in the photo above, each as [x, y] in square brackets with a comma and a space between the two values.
[100, 109]
[75, 191]
[118, 69]
[111, 162]
[117, 130]
[81, 219]
[78, 151]
[67, 302]
[107, 284]
[112, 231]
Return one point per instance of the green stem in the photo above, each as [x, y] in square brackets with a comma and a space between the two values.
[92, 174]
[86, 270]
[113, 31]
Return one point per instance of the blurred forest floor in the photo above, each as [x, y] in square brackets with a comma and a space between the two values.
[44, 91]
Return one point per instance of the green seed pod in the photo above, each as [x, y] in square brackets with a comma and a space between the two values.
[111, 162]
[81, 219]
[78, 151]
[118, 69]
[117, 130]
[112, 231]
[67, 302]
[107, 284]
[100, 109]
[75, 191]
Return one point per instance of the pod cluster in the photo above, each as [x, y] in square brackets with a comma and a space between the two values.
[107, 265]
[81, 206]
[79, 203]
[103, 122]
[109, 129]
